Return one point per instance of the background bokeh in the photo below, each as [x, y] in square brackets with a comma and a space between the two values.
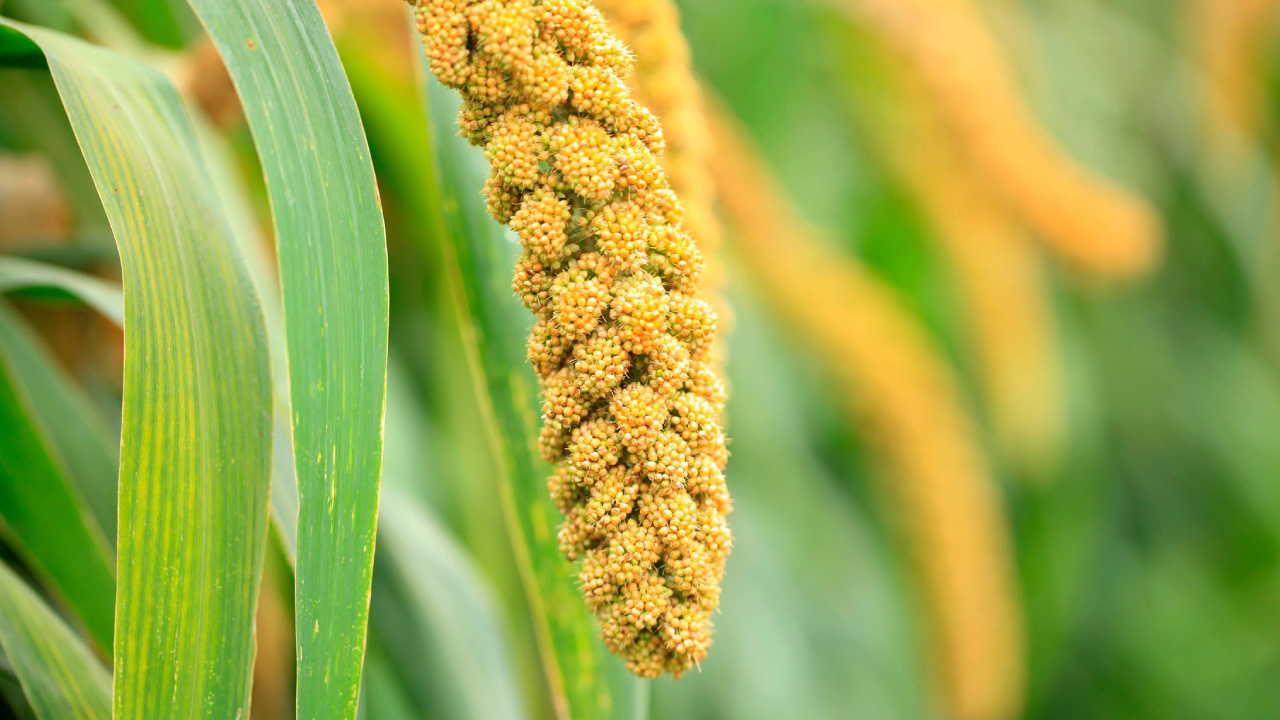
[1107, 359]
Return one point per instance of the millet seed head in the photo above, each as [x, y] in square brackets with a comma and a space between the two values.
[630, 396]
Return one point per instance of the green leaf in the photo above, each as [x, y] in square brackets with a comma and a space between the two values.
[34, 113]
[165, 22]
[437, 619]
[76, 427]
[106, 298]
[58, 674]
[196, 442]
[18, 51]
[383, 698]
[496, 324]
[45, 517]
[333, 273]
[262, 268]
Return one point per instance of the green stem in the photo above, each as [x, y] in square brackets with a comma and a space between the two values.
[643, 689]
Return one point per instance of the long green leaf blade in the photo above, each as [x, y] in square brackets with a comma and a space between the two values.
[47, 520]
[262, 268]
[58, 674]
[483, 258]
[333, 273]
[196, 439]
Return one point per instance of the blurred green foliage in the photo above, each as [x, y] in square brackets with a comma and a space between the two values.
[1149, 561]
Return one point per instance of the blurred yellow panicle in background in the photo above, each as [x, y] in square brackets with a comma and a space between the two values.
[895, 381]
[1085, 218]
[1231, 39]
[1011, 322]
[1012, 331]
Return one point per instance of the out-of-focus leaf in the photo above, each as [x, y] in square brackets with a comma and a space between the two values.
[333, 272]
[196, 444]
[164, 22]
[18, 51]
[40, 503]
[443, 634]
[33, 110]
[496, 324]
[39, 12]
[11, 691]
[59, 675]
[1192, 642]
[106, 298]
[75, 426]
[382, 696]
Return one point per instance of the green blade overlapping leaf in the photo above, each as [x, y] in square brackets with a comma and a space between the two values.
[196, 440]
[333, 273]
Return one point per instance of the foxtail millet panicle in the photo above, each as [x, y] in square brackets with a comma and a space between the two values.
[622, 341]
[664, 81]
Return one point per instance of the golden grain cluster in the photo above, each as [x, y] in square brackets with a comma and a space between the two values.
[664, 81]
[623, 342]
